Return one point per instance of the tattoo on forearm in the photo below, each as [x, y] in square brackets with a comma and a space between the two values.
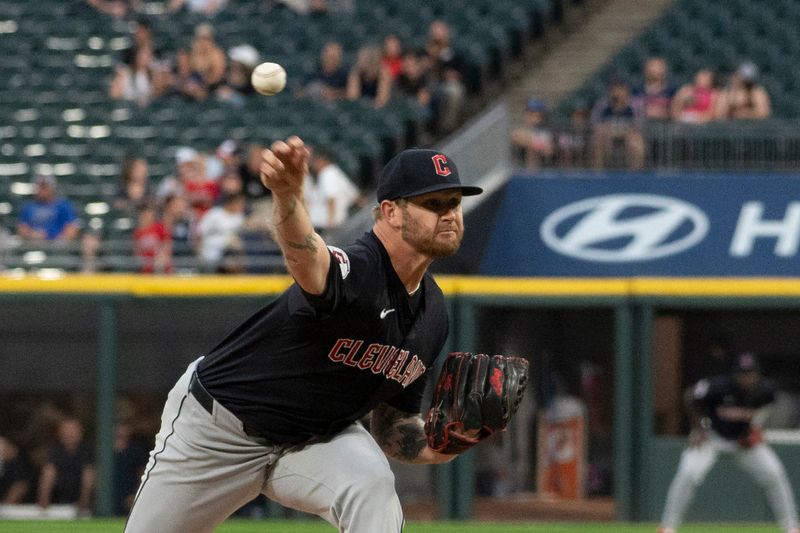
[400, 435]
[310, 244]
[290, 210]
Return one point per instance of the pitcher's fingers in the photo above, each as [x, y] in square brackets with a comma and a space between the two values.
[268, 157]
[299, 158]
[295, 142]
[280, 149]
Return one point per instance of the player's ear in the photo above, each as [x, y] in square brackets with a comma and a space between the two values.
[390, 212]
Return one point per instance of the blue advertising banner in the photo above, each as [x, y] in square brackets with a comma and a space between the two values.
[640, 224]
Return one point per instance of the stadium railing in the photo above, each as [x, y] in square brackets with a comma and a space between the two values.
[765, 145]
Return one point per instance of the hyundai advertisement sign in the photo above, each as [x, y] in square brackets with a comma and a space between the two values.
[644, 225]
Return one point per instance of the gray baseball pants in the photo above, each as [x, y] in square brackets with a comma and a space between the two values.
[759, 461]
[204, 467]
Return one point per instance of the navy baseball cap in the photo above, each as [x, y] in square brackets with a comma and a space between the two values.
[419, 171]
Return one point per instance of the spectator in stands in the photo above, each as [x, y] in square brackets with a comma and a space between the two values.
[653, 98]
[191, 181]
[533, 141]
[91, 249]
[744, 98]
[259, 198]
[573, 141]
[68, 476]
[15, 473]
[208, 8]
[329, 83]
[134, 185]
[142, 38]
[48, 216]
[447, 68]
[185, 83]
[218, 229]
[229, 154]
[415, 82]
[237, 85]
[179, 222]
[230, 183]
[129, 462]
[369, 78]
[206, 59]
[250, 173]
[329, 192]
[138, 81]
[392, 58]
[117, 8]
[695, 102]
[152, 243]
[616, 122]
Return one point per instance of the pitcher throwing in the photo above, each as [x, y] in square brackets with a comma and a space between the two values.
[274, 409]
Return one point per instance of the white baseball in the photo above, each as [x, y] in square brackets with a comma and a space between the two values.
[268, 78]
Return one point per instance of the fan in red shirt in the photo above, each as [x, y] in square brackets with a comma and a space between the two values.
[192, 181]
[392, 58]
[152, 243]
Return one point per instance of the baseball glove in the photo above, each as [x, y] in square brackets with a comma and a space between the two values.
[475, 396]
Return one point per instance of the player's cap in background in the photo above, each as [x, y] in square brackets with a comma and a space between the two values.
[746, 362]
[419, 171]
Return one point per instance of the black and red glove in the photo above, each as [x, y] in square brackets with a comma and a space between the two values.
[476, 395]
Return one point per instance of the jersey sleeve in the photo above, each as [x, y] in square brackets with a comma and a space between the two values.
[346, 275]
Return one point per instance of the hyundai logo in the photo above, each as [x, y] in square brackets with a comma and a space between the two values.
[621, 228]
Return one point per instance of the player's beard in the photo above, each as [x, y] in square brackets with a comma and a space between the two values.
[426, 243]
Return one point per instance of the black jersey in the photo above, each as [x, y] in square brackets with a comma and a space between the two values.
[729, 407]
[305, 366]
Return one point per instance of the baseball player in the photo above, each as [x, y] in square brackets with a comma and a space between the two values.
[274, 408]
[724, 411]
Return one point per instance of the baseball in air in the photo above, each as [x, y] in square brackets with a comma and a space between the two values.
[268, 78]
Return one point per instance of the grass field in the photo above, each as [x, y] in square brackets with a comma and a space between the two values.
[274, 526]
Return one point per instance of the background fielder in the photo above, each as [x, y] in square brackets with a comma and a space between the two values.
[722, 411]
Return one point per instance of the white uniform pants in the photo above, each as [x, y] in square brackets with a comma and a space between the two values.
[204, 467]
[759, 461]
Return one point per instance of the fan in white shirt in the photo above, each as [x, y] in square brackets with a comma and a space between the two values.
[329, 192]
[219, 227]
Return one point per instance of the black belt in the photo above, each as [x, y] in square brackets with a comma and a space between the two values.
[205, 399]
[201, 394]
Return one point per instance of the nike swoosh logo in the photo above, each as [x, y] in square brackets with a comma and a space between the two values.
[385, 312]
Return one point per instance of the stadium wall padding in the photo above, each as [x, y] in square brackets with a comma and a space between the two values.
[112, 333]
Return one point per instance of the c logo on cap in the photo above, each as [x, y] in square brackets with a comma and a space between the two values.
[440, 164]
